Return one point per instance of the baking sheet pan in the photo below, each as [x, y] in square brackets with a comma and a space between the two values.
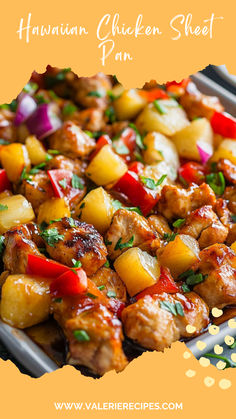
[34, 359]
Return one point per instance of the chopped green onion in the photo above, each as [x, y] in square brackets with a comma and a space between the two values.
[101, 287]
[159, 107]
[3, 207]
[111, 294]
[76, 182]
[69, 109]
[63, 183]
[121, 246]
[81, 335]
[169, 237]
[178, 223]
[76, 263]
[217, 182]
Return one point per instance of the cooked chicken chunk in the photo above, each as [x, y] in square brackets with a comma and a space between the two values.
[159, 225]
[219, 287]
[204, 225]
[126, 225]
[228, 169]
[8, 130]
[225, 216]
[152, 325]
[64, 163]
[197, 104]
[110, 282]
[91, 119]
[177, 202]
[215, 256]
[230, 196]
[71, 141]
[37, 190]
[101, 350]
[91, 92]
[71, 239]
[19, 244]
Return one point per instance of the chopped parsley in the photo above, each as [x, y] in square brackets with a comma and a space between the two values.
[118, 205]
[76, 263]
[37, 168]
[63, 183]
[81, 335]
[41, 99]
[13, 105]
[178, 223]
[95, 93]
[139, 138]
[185, 287]
[30, 87]
[111, 95]
[233, 218]
[55, 152]
[217, 182]
[2, 238]
[101, 287]
[57, 300]
[150, 183]
[3, 207]
[4, 142]
[121, 149]
[173, 308]
[106, 264]
[191, 278]
[159, 107]
[107, 242]
[111, 294]
[228, 362]
[121, 246]
[169, 237]
[24, 175]
[76, 182]
[51, 236]
[90, 295]
[110, 113]
[69, 109]
[71, 222]
[53, 79]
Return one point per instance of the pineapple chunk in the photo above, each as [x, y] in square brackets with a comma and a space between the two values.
[106, 167]
[36, 150]
[53, 209]
[25, 300]
[96, 209]
[14, 158]
[137, 269]
[16, 210]
[199, 132]
[226, 150]
[150, 119]
[159, 148]
[129, 104]
[233, 247]
[180, 254]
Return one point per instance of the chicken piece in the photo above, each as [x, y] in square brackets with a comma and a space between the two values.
[71, 239]
[196, 104]
[225, 217]
[91, 92]
[231, 238]
[116, 128]
[204, 225]
[37, 189]
[159, 225]
[178, 202]
[154, 327]
[215, 256]
[101, 351]
[18, 244]
[8, 131]
[64, 163]
[71, 141]
[111, 282]
[219, 287]
[126, 225]
[228, 169]
[91, 119]
[230, 196]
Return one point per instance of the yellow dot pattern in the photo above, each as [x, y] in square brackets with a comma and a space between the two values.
[233, 357]
[224, 384]
[216, 312]
[204, 362]
[186, 355]
[213, 329]
[232, 323]
[221, 365]
[229, 340]
[190, 373]
[218, 349]
[200, 345]
[209, 381]
[190, 328]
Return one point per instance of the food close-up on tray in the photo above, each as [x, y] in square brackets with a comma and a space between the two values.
[117, 220]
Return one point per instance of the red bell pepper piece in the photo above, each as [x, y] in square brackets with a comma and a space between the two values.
[103, 140]
[4, 181]
[224, 124]
[136, 167]
[164, 284]
[69, 283]
[47, 268]
[176, 88]
[182, 83]
[127, 140]
[192, 172]
[61, 183]
[138, 194]
[153, 94]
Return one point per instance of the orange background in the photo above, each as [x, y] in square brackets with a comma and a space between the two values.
[154, 376]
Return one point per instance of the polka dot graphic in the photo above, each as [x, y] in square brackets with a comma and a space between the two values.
[224, 384]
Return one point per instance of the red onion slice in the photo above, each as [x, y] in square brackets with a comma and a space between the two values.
[26, 106]
[44, 121]
[205, 151]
